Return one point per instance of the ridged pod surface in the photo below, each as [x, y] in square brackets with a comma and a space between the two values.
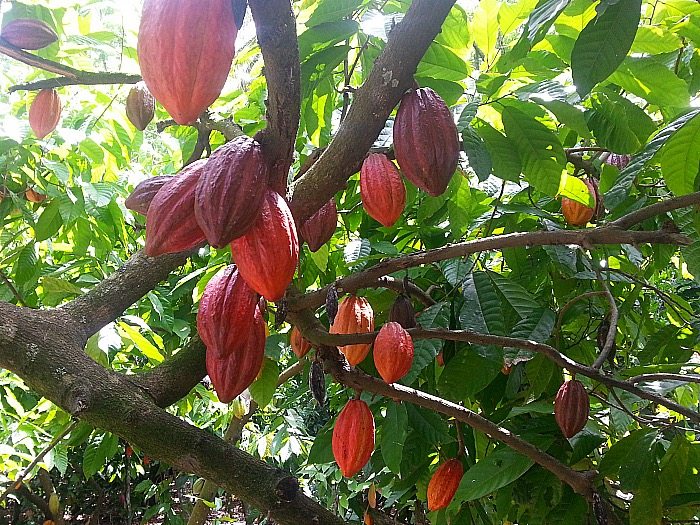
[355, 316]
[170, 223]
[382, 190]
[353, 437]
[402, 312]
[571, 407]
[393, 352]
[28, 33]
[319, 228]
[577, 214]
[45, 112]
[426, 141]
[185, 51]
[231, 191]
[267, 255]
[444, 483]
[140, 199]
[300, 345]
[140, 106]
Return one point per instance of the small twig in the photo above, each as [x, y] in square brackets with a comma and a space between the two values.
[586, 148]
[646, 378]
[613, 316]
[13, 289]
[35, 61]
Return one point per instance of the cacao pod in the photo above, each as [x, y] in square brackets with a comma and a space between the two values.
[440, 358]
[300, 345]
[140, 199]
[368, 519]
[185, 53]
[231, 190]
[402, 312]
[353, 437]
[34, 196]
[382, 190]
[426, 141]
[49, 522]
[267, 255]
[355, 316]
[54, 504]
[171, 226]
[226, 312]
[372, 496]
[571, 407]
[140, 106]
[317, 382]
[319, 228]
[332, 303]
[619, 161]
[393, 352]
[146, 460]
[506, 369]
[28, 33]
[444, 483]
[45, 112]
[129, 451]
[578, 214]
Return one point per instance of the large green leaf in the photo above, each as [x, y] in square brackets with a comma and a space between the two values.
[477, 153]
[617, 123]
[653, 81]
[504, 156]
[647, 506]
[482, 310]
[441, 63]
[49, 222]
[394, 432]
[680, 158]
[263, 388]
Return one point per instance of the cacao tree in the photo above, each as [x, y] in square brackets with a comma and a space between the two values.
[212, 210]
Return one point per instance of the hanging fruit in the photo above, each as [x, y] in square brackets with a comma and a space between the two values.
[393, 352]
[140, 199]
[28, 33]
[140, 106]
[402, 312]
[382, 190]
[300, 345]
[576, 213]
[571, 407]
[319, 228]
[45, 112]
[355, 316]
[353, 437]
[444, 483]
[34, 196]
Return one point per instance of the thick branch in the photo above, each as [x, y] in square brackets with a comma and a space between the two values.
[36, 61]
[634, 218]
[84, 78]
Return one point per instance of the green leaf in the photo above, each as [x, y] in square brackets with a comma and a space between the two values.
[49, 222]
[653, 81]
[263, 388]
[680, 158]
[468, 372]
[542, 18]
[321, 451]
[630, 458]
[617, 123]
[521, 300]
[143, 344]
[485, 28]
[477, 154]
[442, 63]
[394, 432]
[504, 155]
[655, 40]
[333, 10]
[325, 35]
[429, 425]
[647, 507]
[482, 311]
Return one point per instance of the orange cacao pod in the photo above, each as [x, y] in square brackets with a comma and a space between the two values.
[382, 190]
[402, 312]
[171, 226]
[267, 255]
[444, 483]
[368, 519]
[28, 33]
[140, 106]
[231, 190]
[578, 214]
[372, 496]
[140, 199]
[571, 407]
[185, 51]
[426, 142]
[319, 228]
[34, 196]
[300, 345]
[353, 437]
[45, 112]
[355, 316]
[393, 352]
[440, 358]
[49, 522]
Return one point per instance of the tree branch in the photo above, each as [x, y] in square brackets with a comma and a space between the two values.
[84, 78]
[634, 218]
[38, 62]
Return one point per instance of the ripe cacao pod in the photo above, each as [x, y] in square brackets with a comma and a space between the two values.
[146, 460]
[382, 190]
[571, 407]
[28, 33]
[226, 311]
[49, 522]
[300, 345]
[393, 352]
[129, 451]
[34, 196]
[444, 483]
[140, 106]
[171, 226]
[355, 316]
[45, 112]
[267, 255]
[426, 142]
[367, 519]
[440, 358]
[353, 437]
[140, 199]
[372, 496]
[319, 228]
[619, 161]
[231, 190]
[402, 312]
[578, 214]
[185, 52]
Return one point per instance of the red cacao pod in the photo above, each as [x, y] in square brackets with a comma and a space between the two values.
[140, 106]
[444, 483]
[571, 407]
[319, 228]
[226, 311]
[171, 226]
[140, 199]
[300, 345]
[34, 196]
[129, 451]
[382, 190]
[393, 352]
[355, 316]
[426, 142]
[268, 254]
[231, 191]
[402, 312]
[45, 112]
[440, 358]
[353, 437]
[578, 214]
[28, 33]
[185, 52]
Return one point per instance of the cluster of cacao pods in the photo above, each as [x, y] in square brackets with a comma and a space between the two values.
[578, 214]
[444, 483]
[571, 407]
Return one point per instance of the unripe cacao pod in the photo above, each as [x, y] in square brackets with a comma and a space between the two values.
[34, 196]
[382, 190]
[267, 255]
[393, 352]
[231, 190]
[444, 483]
[45, 112]
[319, 228]
[619, 161]
[571, 407]
[300, 345]
[185, 51]
[140, 106]
[54, 504]
[140, 199]
[426, 141]
[226, 311]
[28, 33]
[353, 437]
[171, 226]
[355, 316]
[578, 214]
[402, 312]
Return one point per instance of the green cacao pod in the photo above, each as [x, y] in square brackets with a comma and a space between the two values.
[140, 106]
